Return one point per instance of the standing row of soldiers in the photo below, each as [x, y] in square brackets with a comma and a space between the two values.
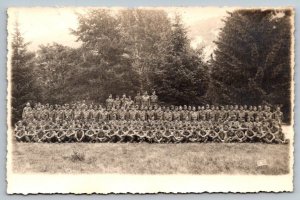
[139, 101]
[83, 112]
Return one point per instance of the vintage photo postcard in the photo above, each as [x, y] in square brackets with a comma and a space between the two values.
[151, 99]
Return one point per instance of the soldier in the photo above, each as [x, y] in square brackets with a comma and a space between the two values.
[217, 114]
[167, 115]
[201, 113]
[38, 112]
[142, 114]
[122, 113]
[185, 114]
[254, 113]
[85, 113]
[129, 102]
[159, 114]
[138, 99]
[132, 114]
[90, 112]
[250, 114]
[226, 107]
[277, 115]
[45, 112]
[222, 114]
[20, 131]
[145, 100]
[117, 102]
[260, 114]
[109, 102]
[153, 99]
[194, 114]
[172, 107]
[236, 111]
[150, 114]
[113, 114]
[77, 113]
[231, 113]
[207, 112]
[83, 104]
[267, 112]
[104, 114]
[212, 113]
[51, 113]
[176, 114]
[123, 101]
[57, 112]
[242, 114]
[68, 113]
[96, 113]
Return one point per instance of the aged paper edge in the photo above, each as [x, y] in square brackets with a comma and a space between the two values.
[125, 183]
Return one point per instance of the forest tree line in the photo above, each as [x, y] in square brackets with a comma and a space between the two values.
[144, 50]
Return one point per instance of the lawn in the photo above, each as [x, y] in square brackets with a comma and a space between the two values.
[132, 158]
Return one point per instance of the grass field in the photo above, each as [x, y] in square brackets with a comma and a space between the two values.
[131, 158]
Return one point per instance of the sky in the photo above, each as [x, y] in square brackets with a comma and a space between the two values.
[42, 25]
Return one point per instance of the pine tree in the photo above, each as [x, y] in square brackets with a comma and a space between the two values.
[105, 68]
[252, 60]
[23, 86]
[182, 79]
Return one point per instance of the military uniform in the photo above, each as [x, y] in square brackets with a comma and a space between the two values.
[151, 115]
[159, 114]
[142, 115]
[145, 100]
[185, 115]
[132, 114]
[117, 103]
[176, 115]
[278, 115]
[121, 114]
[109, 103]
[194, 115]
[26, 111]
[153, 99]
[138, 100]
[168, 115]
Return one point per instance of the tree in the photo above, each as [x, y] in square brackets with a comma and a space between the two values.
[252, 60]
[106, 67]
[182, 79]
[55, 66]
[23, 86]
[146, 34]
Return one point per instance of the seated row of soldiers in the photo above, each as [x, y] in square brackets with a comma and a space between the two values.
[268, 131]
[97, 113]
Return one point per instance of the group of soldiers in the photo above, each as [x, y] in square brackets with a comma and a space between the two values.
[139, 101]
[143, 120]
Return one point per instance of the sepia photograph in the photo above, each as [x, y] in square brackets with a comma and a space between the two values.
[150, 99]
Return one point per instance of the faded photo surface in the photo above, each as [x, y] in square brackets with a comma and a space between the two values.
[148, 100]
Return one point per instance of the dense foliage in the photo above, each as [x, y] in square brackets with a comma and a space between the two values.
[143, 50]
[24, 87]
[252, 60]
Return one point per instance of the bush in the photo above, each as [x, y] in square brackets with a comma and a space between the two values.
[77, 156]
